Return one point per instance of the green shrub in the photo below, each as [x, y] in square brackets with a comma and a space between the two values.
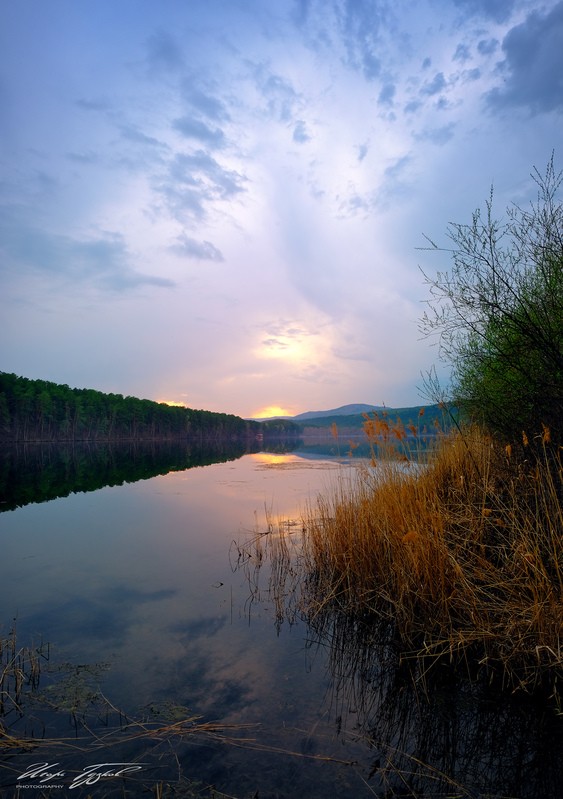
[498, 314]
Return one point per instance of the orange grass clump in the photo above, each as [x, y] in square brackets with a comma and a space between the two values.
[461, 554]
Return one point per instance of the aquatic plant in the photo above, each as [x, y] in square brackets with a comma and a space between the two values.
[462, 557]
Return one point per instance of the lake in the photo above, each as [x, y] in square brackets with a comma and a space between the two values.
[162, 646]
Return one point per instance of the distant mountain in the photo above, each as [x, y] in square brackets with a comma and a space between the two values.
[350, 419]
[344, 410]
[425, 418]
[354, 409]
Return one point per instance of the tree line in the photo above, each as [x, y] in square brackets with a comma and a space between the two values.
[39, 410]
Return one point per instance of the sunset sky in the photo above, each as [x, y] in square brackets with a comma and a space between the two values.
[219, 202]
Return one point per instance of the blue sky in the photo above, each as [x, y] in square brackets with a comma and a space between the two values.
[219, 202]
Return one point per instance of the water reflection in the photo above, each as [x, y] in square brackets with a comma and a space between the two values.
[137, 578]
[432, 730]
[437, 730]
[41, 472]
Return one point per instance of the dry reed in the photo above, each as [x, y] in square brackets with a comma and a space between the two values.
[462, 555]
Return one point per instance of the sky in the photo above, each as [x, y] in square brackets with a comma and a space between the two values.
[221, 203]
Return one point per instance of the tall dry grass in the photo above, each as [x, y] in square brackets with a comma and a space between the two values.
[461, 555]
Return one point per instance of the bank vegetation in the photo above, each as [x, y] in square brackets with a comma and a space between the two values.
[460, 558]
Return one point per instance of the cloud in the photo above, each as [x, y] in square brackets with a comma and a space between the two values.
[497, 10]
[386, 94]
[195, 129]
[395, 185]
[163, 53]
[362, 152]
[300, 134]
[360, 23]
[441, 135]
[206, 104]
[201, 168]
[412, 106]
[436, 85]
[355, 203]
[288, 341]
[351, 28]
[132, 134]
[395, 171]
[470, 74]
[200, 250]
[103, 261]
[93, 105]
[281, 97]
[533, 65]
[195, 181]
[462, 53]
[83, 158]
[300, 12]
[275, 344]
[488, 46]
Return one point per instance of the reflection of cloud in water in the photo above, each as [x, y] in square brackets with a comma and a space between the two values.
[197, 628]
[202, 684]
[205, 675]
[132, 596]
[106, 618]
[80, 618]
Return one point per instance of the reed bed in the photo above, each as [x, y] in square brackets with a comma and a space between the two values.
[462, 555]
[20, 670]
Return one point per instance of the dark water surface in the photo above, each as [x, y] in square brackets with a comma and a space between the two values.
[150, 623]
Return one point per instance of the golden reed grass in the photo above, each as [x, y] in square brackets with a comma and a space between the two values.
[462, 554]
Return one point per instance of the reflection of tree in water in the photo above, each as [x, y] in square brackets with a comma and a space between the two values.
[41, 472]
[437, 730]
[434, 730]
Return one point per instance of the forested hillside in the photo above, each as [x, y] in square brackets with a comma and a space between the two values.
[39, 410]
[419, 419]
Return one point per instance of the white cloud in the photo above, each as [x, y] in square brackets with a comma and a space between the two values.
[195, 129]
[188, 247]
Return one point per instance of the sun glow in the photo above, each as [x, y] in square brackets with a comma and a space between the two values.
[292, 342]
[272, 459]
[172, 403]
[271, 410]
[283, 348]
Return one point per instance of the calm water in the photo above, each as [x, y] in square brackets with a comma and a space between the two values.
[137, 590]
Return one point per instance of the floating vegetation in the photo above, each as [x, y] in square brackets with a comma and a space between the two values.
[59, 712]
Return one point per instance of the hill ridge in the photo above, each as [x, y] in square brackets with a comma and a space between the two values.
[351, 409]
